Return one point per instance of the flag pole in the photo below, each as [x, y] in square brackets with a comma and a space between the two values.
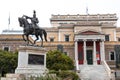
[9, 21]
[87, 10]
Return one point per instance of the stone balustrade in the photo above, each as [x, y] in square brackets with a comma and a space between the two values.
[84, 17]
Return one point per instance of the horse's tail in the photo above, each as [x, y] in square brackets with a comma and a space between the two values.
[45, 35]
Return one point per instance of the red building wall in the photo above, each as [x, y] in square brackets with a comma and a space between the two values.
[98, 52]
[80, 52]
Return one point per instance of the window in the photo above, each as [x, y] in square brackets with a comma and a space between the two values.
[60, 47]
[6, 48]
[51, 39]
[118, 39]
[106, 37]
[112, 55]
[65, 53]
[67, 38]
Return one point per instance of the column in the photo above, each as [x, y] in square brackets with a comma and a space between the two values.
[102, 50]
[84, 45]
[76, 55]
[94, 53]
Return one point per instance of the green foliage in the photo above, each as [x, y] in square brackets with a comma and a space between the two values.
[65, 75]
[8, 61]
[68, 74]
[59, 61]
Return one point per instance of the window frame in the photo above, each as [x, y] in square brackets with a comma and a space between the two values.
[118, 39]
[66, 53]
[110, 56]
[67, 38]
[108, 36]
[6, 47]
[51, 39]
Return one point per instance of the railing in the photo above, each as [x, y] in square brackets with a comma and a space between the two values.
[107, 68]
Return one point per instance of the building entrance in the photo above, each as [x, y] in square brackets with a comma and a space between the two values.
[89, 57]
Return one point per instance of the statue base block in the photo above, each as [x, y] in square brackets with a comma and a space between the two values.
[31, 61]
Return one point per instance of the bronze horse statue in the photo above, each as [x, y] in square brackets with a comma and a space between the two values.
[28, 29]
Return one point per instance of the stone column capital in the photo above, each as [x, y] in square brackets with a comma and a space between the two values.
[94, 40]
[84, 39]
[76, 40]
[102, 40]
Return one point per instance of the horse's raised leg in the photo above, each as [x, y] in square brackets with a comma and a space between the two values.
[27, 39]
[24, 37]
[41, 40]
[36, 39]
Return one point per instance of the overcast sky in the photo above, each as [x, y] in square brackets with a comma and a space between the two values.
[45, 8]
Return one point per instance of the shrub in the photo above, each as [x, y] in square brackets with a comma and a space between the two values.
[65, 74]
[8, 62]
[59, 61]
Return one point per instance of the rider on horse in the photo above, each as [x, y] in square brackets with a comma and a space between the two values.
[32, 28]
[34, 20]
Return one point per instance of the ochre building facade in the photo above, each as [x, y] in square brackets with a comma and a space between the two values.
[87, 39]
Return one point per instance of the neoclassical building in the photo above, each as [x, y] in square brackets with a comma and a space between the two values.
[89, 40]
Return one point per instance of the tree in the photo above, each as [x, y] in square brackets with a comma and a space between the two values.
[8, 61]
[59, 61]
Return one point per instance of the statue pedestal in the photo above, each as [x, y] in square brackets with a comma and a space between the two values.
[31, 61]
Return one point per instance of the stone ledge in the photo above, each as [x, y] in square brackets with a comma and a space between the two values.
[32, 49]
[34, 71]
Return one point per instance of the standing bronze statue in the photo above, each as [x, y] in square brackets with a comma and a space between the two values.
[32, 28]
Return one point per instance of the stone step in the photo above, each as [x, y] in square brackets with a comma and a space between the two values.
[13, 77]
[4, 78]
[93, 72]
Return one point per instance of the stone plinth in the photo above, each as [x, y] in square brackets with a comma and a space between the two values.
[31, 61]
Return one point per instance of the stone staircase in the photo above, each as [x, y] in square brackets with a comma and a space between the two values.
[93, 72]
[112, 64]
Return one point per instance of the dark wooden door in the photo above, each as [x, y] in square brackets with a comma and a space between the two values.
[89, 57]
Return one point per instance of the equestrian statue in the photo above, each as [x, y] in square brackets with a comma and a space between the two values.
[32, 29]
